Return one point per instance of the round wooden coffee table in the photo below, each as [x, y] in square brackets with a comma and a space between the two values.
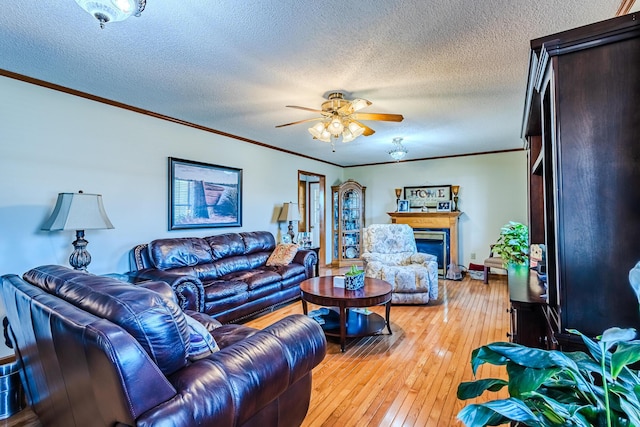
[349, 323]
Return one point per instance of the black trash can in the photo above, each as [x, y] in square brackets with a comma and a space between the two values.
[11, 392]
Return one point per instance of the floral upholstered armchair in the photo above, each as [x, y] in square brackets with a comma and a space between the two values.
[390, 254]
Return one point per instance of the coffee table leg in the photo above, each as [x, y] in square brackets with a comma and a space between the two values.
[304, 307]
[388, 313]
[343, 326]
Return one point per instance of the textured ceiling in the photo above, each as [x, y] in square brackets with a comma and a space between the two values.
[456, 70]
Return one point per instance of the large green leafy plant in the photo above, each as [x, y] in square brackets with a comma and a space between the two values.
[513, 243]
[553, 388]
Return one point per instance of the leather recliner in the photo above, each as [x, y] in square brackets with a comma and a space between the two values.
[95, 351]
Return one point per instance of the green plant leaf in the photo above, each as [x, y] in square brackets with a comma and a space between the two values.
[584, 361]
[613, 336]
[532, 357]
[523, 380]
[513, 243]
[627, 353]
[484, 354]
[634, 280]
[497, 412]
[557, 413]
[631, 411]
[473, 389]
[592, 346]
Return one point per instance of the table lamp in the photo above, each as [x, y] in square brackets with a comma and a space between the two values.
[290, 212]
[78, 211]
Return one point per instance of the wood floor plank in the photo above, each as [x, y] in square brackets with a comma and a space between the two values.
[409, 378]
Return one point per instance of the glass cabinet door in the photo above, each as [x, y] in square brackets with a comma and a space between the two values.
[348, 221]
[351, 224]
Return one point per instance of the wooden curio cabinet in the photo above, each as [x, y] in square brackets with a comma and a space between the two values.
[581, 127]
[348, 222]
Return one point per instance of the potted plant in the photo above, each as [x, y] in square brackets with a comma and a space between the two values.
[513, 248]
[354, 278]
[554, 388]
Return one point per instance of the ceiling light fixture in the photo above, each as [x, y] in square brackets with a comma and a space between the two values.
[341, 117]
[334, 127]
[112, 10]
[398, 151]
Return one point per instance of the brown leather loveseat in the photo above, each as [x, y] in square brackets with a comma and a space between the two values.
[96, 351]
[225, 276]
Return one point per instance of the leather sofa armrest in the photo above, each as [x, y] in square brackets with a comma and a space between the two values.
[189, 290]
[309, 259]
[216, 390]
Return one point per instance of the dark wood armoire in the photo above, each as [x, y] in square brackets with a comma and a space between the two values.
[582, 129]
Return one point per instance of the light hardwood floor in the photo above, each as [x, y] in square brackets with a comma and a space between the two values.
[408, 378]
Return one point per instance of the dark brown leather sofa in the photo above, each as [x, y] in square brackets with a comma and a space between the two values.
[96, 351]
[226, 275]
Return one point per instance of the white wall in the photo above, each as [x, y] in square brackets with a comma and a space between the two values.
[52, 142]
[493, 190]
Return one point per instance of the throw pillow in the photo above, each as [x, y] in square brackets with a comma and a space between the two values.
[283, 254]
[201, 342]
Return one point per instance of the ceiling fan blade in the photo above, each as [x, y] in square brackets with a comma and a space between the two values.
[301, 121]
[305, 108]
[367, 130]
[379, 116]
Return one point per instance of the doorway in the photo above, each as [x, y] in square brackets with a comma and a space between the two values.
[311, 200]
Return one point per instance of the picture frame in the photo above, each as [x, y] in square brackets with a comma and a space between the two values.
[444, 206]
[403, 205]
[203, 195]
[427, 196]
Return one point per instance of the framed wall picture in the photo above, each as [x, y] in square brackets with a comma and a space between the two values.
[403, 206]
[427, 196]
[202, 195]
[444, 206]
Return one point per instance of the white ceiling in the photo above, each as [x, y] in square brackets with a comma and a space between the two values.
[456, 70]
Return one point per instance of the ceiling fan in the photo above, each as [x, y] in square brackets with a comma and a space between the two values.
[340, 116]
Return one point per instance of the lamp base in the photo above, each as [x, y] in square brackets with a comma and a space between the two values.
[80, 257]
[290, 231]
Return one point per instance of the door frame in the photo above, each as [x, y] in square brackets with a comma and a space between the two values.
[321, 219]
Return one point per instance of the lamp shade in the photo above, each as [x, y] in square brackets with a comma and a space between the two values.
[290, 212]
[356, 129]
[78, 211]
[336, 126]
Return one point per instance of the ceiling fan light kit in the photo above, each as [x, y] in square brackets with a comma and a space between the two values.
[320, 132]
[112, 10]
[336, 127]
[339, 117]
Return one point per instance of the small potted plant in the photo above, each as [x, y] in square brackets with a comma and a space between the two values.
[513, 247]
[354, 278]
